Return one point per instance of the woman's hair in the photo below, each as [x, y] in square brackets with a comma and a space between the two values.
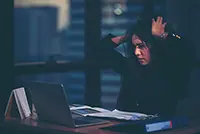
[142, 29]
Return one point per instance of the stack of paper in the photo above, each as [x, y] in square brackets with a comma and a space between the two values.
[104, 113]
[120, 115]
[87, 110]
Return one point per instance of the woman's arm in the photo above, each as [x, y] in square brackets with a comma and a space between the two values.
[106, 55]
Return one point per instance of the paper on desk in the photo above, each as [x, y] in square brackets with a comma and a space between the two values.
[120, 115]
[130, 113]
[86, 108]
[80, 107]
[89, 107]
[111, 114]
[101, 109]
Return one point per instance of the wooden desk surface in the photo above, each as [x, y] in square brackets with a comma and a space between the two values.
[37, 126]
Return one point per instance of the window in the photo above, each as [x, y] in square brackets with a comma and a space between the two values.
[51, 29]
[48, 29]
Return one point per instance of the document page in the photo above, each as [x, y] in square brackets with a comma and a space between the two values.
[85, 110]
[116, 114]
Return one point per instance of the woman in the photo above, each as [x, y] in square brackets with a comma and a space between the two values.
[155, 70]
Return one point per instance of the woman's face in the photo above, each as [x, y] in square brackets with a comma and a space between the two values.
[142, 52]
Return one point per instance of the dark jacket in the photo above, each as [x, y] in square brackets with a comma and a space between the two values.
[152, 89]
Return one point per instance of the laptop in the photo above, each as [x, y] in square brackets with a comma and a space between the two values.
[51, 105]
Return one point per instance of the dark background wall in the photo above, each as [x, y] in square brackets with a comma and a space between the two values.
[185, 17]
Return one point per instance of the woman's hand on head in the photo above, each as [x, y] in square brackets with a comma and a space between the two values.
[158, 27]
[119, 39]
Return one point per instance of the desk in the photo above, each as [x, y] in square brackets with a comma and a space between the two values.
[31, 126]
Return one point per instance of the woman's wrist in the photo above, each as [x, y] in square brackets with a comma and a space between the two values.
[164, 35]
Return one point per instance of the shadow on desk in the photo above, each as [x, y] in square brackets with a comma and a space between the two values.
[29, 126]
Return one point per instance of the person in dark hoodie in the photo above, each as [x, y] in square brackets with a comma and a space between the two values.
[155, 74]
